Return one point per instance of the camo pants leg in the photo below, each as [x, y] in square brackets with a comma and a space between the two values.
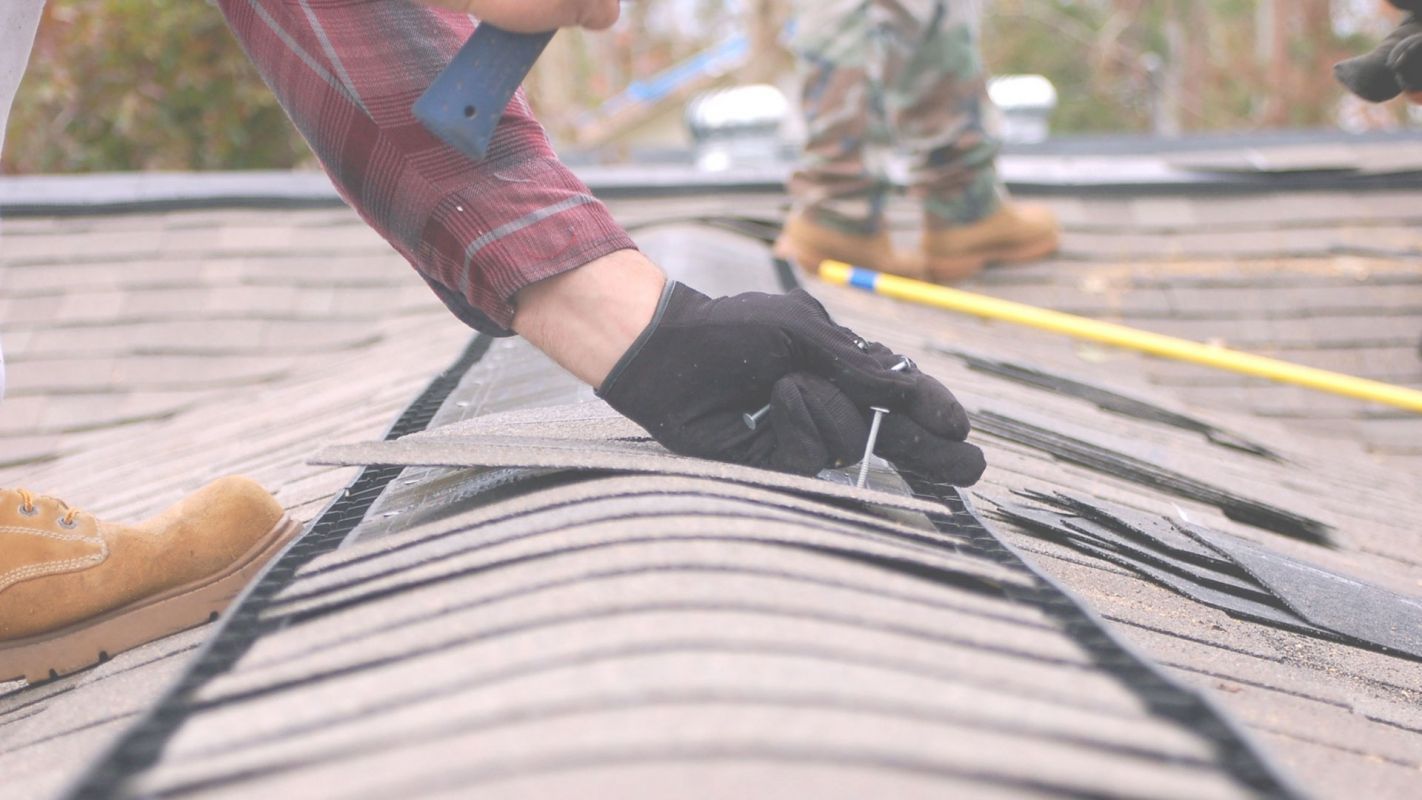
[894, 72]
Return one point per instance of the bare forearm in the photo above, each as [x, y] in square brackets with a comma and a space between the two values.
[585, 319]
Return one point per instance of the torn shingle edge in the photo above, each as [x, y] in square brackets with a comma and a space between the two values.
[1238, 577]
[1164, 695]
[1120, 459]
[1111, 400]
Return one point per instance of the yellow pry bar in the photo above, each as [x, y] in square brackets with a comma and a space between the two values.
[1156, 344]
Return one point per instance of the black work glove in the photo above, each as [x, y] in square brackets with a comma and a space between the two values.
[702, 364]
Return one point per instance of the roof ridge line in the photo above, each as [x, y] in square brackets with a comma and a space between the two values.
[1238, 751]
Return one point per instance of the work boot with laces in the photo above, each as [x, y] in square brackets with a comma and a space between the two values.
[1014, 233]
[808, 242]
[75, 590]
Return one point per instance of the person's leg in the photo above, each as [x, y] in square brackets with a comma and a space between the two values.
[347, 73]
[19, 20]
[937, 96]
[837, 196]
[936, 90]
[834, 185]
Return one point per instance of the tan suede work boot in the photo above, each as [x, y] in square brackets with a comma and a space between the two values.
[1015, 232]
[75, 590]
[807, 243]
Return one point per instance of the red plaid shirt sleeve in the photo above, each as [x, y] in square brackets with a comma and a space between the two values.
[347, 72]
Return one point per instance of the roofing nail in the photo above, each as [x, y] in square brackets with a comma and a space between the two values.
[869, 446]
[753, 419]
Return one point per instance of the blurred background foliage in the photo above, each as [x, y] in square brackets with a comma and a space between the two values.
[161, 84]
[1174, 66]
[144, 85]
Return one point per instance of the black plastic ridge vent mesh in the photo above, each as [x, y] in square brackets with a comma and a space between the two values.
[140, 747]
[1166, 697]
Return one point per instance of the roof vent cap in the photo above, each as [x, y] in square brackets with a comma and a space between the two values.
[737, 127]
[1027, 103]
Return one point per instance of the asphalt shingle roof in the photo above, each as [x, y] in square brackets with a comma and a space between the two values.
[247, 340]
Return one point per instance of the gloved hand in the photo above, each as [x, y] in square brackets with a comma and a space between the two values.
[702, 363]
[1394, 66]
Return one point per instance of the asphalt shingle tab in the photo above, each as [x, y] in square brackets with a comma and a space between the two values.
[670, 635]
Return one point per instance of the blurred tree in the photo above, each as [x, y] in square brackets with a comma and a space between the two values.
[1083, 47]
[1184, 65]
[571, 84]
[764, 21]
[144, 84]
[160, 84]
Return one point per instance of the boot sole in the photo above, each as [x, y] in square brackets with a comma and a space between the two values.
[954, 268]
[94, 641]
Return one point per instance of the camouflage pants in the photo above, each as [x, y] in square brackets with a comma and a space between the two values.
[901, 72]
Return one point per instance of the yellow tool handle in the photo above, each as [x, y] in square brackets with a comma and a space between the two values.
[1156, 344]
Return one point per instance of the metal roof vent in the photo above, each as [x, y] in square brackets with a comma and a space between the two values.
[737, 126]
[1027, 102]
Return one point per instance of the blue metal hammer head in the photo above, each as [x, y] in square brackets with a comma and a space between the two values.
[464, 104]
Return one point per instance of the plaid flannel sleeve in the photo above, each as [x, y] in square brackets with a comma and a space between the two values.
[347, 72]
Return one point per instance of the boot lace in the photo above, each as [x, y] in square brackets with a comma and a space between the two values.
[27, 507]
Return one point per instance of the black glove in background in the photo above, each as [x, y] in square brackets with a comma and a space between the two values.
[702, 363]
